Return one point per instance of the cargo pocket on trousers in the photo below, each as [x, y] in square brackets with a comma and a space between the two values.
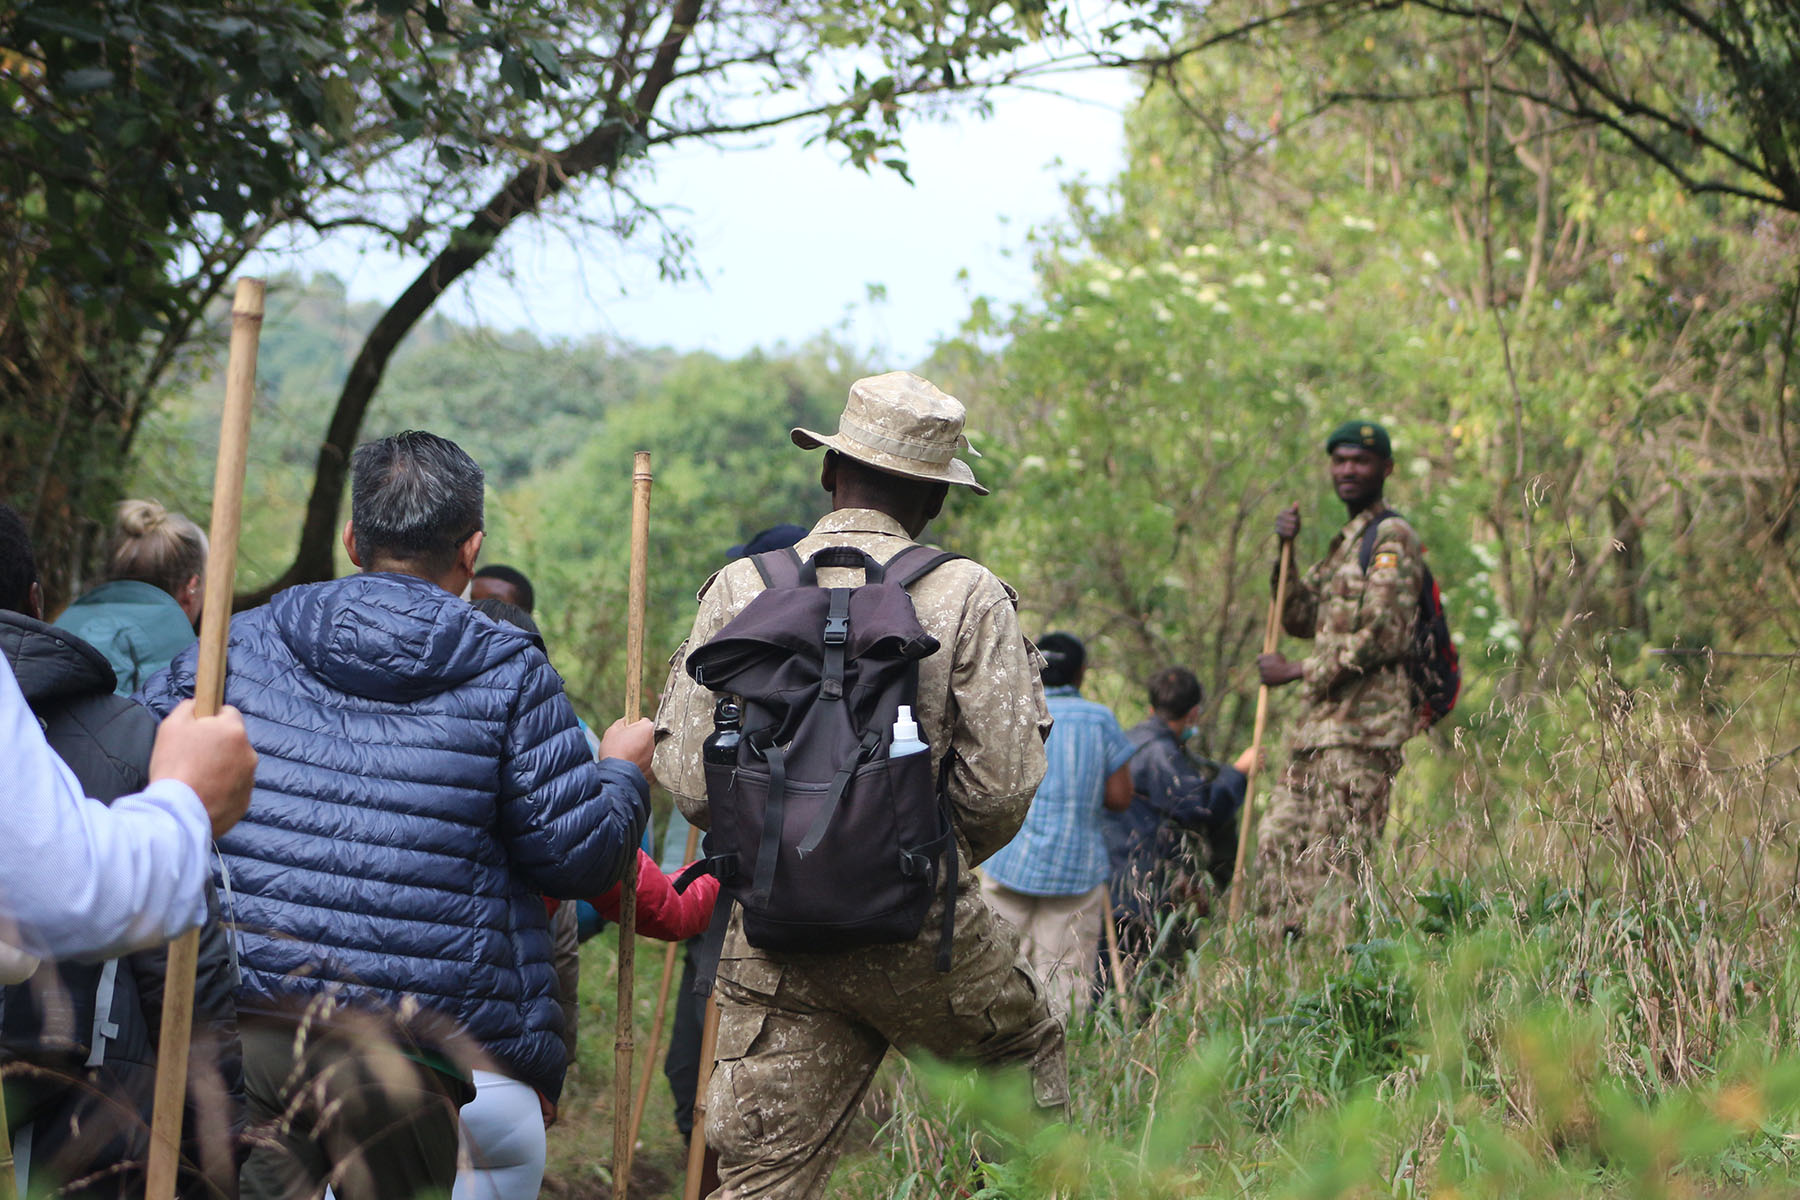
[994, 985]
[731, 1123]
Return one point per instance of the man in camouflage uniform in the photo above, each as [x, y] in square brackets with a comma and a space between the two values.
[1358, 705]
[801, 1035]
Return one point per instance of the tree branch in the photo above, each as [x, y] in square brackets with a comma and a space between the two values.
[525, 193]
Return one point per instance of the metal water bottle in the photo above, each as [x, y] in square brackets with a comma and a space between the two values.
[721, 746]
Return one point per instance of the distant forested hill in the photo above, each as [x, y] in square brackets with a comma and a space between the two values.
[553, 423]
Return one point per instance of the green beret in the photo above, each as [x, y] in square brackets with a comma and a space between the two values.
[1364, 435]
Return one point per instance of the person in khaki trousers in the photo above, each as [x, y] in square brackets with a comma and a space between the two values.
[801, 1035]
[1050, 881]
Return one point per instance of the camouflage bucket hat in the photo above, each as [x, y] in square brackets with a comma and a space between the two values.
[904, 425]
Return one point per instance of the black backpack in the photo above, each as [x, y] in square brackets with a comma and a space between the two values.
[825, 841]
[1433, 666]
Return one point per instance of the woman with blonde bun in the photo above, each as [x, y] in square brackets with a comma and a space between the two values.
[146, 612]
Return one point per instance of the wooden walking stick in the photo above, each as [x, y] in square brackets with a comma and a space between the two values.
[8, 1185]
[709, 1046]
[635, 602]
[1117, 964]
[1271, 635]
[662, 1011]
[209, 694]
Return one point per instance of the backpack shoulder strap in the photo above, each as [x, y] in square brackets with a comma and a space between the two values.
[1371, 531]
[915, 562]
[778, 568]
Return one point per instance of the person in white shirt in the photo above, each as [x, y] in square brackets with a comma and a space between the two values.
[82, 879]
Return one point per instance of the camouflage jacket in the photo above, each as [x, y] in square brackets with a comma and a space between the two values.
[980, 695]
[1355, 689]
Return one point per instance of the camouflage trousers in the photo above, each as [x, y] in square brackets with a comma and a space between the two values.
[800, 1039]
[1324, 815]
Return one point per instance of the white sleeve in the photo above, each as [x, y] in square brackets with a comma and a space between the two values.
[79, 879]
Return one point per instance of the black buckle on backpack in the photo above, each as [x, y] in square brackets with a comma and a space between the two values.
[837, 637]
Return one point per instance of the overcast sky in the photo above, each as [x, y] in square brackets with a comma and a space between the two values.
[790, 241]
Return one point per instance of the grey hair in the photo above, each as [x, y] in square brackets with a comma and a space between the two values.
[414, 498]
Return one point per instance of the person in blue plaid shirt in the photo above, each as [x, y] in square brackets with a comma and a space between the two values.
[1050, 880]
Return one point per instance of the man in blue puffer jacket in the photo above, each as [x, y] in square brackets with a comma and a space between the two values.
[422, 782]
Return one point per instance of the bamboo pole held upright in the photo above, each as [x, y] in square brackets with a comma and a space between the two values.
[209, 694]
[8, 1186]
[709, 1046]
[636, 602]
[642, 1099]
[1271, 635]
[1117, 963]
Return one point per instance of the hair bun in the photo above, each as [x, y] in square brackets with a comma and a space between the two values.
[139, 517]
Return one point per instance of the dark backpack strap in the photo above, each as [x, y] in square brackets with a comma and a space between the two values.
[723, 867]
[778, 568]
[763, 882]
[915, 562]
[1369, 534]
[839, 784]
[711, 946]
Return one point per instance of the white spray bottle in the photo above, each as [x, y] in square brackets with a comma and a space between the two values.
[906, 735]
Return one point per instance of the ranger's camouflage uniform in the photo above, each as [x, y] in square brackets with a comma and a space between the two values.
[801, 1035]
[1358, 707]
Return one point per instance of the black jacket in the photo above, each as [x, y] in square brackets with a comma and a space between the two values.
[89, 1030]
[1171, 793]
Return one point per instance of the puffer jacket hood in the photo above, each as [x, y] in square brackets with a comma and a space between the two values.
[50, 663]
[421, 783]
[391, 637]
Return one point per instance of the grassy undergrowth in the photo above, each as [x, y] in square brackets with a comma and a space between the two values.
[1571, 971]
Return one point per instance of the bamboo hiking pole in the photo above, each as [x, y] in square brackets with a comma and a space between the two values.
[635, 602]
[662, 1011]
[1271, 634]
[8, 1185]
[209, 694]
[709, 1046]
[1117, 964]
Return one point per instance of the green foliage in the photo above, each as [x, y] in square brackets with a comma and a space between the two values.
[143, 133]
[554, 426]
[724, 469]
[1574, 356]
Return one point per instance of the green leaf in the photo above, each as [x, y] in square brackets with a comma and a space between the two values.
[408, 98]
[85, 79]
[513, 74]
[544, 53]
[52, 21]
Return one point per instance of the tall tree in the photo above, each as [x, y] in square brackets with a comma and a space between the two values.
[689, 70]
[149, 147]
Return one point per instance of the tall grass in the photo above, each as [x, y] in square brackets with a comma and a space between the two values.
[1571, 971]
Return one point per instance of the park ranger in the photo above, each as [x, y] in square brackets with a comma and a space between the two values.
[1357, 701]
[801, 1035]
